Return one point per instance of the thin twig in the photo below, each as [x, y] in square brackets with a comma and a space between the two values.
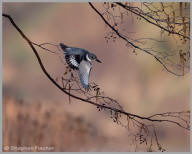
[131, 43]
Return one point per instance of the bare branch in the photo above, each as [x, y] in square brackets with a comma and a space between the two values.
[143, 17]
[131, 43]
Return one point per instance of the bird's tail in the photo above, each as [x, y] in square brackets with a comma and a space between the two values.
[63, 46]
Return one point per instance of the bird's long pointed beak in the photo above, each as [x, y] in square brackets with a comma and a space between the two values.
[98, 60]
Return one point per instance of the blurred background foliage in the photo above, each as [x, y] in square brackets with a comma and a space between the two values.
[35, 112]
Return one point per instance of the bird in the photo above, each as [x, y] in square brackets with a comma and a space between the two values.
[80, 60]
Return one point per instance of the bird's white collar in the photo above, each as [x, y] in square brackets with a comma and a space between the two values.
[87, 57]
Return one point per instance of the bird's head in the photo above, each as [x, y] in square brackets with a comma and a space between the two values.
[91, 56]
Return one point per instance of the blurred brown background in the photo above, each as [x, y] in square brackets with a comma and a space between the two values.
[35, 112]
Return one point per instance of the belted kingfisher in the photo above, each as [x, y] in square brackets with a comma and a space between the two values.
[80, 60]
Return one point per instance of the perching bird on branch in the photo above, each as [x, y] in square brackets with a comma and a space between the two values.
[80, 60]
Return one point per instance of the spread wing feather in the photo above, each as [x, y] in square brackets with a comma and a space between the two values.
[84, 72]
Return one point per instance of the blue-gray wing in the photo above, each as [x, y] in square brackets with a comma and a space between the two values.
[74, 51]
[84, 72]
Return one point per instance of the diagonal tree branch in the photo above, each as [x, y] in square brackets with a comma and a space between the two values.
[131, 43]
[153, 23]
